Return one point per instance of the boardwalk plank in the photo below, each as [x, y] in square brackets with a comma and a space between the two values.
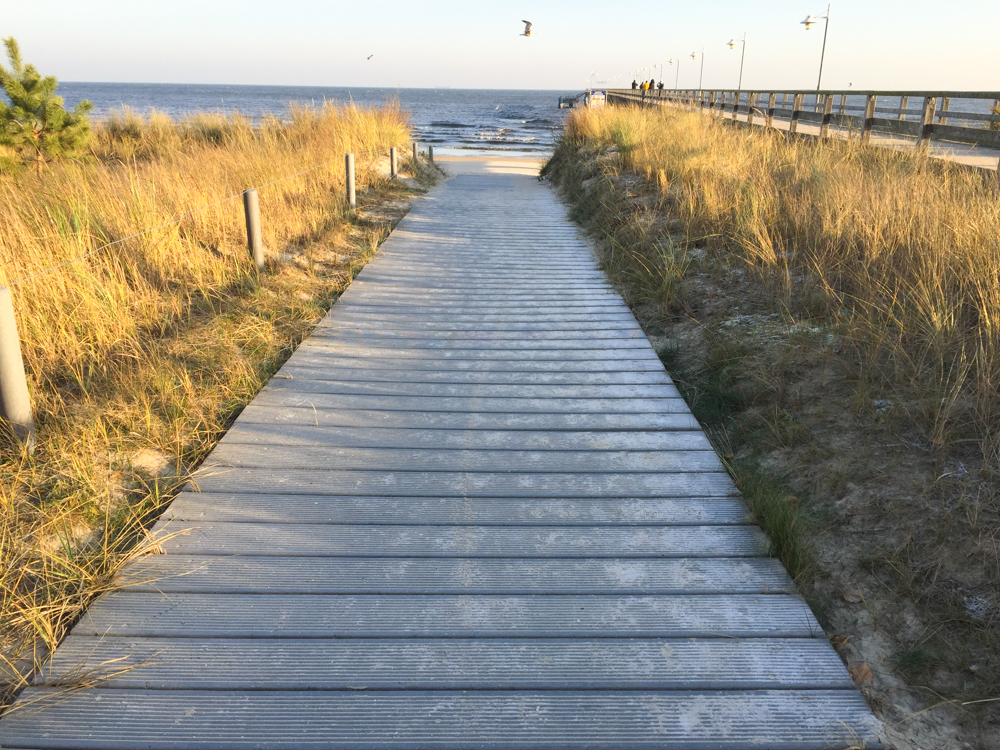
[455, 459]
[463, 484]
[387, 540]
[318, 416]
[176, 573]
[458, 511]
[128, 613]
[454, 664]
[246, 433]
[488, 390]
[284, 393]
[110, 719]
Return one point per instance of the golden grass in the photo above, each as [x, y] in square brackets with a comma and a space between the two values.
[139, 355]
[900, 253]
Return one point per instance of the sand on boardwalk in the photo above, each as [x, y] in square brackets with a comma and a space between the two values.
[528, 165]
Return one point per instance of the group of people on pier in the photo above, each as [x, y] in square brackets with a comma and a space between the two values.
[645, 86]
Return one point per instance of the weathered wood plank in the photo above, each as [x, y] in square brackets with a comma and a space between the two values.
[311, 457]
[464, 484]
[387, 359]
[284, 393]
[458, 511]
[279, 720]
[453, 664]
[128, 613]
[322, 417]
[400, 375]
[175, 573]
[345, 540]
[472, 390]
[246, 433]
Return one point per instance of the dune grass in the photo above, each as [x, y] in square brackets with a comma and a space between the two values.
[139, 355]
[900, 253]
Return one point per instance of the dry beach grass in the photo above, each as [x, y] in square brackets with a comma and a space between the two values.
[139, 355]
[830, 311]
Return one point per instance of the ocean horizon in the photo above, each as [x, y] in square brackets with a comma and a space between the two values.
[456, 120]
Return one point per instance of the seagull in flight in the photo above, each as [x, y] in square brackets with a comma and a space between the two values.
[527, 28]
[370, 56]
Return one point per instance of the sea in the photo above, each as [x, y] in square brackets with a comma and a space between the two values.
[456, 121]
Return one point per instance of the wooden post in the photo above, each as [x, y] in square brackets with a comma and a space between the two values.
[255, 244]
[415, 151]
[393, 167]
[824, 131]
[751, 104]
[927, 124]
[843, 103]
[430, 154]
[793, 126]
[15, 403]
[945, 106]
[904, 102]
[770, 109]
[352, 200]
[866, 129]
[736, 105]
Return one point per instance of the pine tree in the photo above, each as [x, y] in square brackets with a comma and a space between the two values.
[35, 125]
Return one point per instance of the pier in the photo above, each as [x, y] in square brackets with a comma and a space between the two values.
[471, 510]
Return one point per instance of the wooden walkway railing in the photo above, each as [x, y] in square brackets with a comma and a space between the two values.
[965, 117]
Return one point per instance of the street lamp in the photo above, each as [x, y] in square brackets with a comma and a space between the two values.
[732, 43]
[810, 20]
[701, 75]
[677, 74]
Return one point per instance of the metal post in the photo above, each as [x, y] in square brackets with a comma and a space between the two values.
[430, 154]
[793, 126]
[352, 200]
[770, 109]
[822, 56]
[824, 131]
[415, 151]
[15, 404]
[866, 129]
[393, 170]
[927, 125]
[255, 243]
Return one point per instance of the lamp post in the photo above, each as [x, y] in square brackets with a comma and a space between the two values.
[810, 20]
[677, 73]
[701, 75]
[732, 43]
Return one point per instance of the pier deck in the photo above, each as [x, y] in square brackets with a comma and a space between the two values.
[470, 511]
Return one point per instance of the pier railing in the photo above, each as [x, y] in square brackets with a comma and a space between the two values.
[967, 117]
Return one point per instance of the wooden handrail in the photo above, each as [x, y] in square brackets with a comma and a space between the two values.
[933, 115]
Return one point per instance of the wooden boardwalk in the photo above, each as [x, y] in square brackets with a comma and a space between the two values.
[470, 511]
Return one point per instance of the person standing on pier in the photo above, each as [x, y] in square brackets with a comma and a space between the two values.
[635, 84]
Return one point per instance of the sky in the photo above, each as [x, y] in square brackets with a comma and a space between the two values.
[873, 44]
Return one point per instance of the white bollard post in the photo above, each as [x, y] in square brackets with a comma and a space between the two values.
[15, 403]
[255, 243]
[393, 171]
[352, 200]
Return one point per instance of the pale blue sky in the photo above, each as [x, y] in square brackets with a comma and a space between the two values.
[873, 43]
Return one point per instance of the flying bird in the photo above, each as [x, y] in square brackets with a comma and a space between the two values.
[370, 56]
[527, 28]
